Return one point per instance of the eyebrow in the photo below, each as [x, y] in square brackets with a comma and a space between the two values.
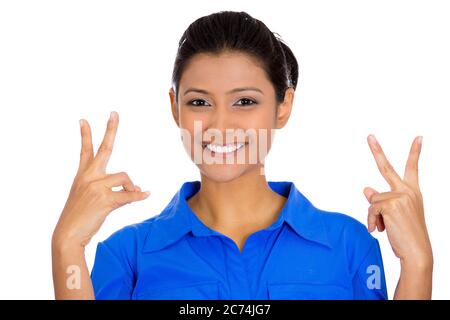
[229, 92]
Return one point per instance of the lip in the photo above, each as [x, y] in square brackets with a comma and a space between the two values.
[225, 154]
[204, 143]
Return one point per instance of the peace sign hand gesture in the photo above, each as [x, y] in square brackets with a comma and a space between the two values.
[91, 198]
[400, 211]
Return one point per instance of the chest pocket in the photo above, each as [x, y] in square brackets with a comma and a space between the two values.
[306, 291]
[195, 291]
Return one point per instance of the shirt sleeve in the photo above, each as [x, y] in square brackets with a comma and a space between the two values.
[111, 278]
[369, 281]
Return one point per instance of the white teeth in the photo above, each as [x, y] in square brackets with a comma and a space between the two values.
[225, 149]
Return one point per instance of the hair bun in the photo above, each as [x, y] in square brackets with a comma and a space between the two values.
[291, 62]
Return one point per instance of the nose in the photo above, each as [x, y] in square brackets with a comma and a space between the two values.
[222, 119]
[222, 124]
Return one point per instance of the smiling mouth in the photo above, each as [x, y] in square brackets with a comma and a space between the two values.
[224, 149]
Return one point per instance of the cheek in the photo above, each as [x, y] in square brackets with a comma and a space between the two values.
[260, 142]
[186, 122]
[191, 135]
[263, 117]
[192, 121]
[263, 124]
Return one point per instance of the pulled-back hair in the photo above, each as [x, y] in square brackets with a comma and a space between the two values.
[238, 31]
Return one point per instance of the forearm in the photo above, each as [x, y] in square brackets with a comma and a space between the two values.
[415, 280]
[71, 278]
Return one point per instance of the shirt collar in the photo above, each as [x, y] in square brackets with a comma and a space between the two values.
[177, 219]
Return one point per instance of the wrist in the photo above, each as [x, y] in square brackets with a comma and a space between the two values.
[418, 263]
[62, 244]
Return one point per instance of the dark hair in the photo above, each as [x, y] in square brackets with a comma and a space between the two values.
[238, 31]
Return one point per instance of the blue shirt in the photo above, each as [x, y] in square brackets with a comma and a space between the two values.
[307, 253]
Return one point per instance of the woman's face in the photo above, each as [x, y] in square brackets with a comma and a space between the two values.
[227, 113]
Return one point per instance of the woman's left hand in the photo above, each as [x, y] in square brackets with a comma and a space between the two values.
[400, 211]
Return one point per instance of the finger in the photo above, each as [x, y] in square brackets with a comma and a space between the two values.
[369, 192]
[136, 189]
[373, 196]
[383, 196]
[374, 212]
[385, 168]
[380, 223]
[118, 179]
[122, 198]
[412, 164]
[377, 223]
[106, 147]
[87, 152]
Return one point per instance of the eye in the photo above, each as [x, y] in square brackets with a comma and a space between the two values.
[197, 103]
[247, 102]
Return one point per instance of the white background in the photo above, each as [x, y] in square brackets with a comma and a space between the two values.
[377, 67]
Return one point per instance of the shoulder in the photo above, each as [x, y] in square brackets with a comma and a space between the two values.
[347, 234]
[126, 243]
[340, 229]
[351, 238]
[340, 225]
[130, 235]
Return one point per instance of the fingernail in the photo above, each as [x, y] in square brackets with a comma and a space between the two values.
[147, 193]
[81, 123]
[112, 115]
[372, 138]
[420, 139]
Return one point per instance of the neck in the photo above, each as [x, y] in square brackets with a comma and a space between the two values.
[245, 202]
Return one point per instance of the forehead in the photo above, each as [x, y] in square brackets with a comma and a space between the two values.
[224, 71]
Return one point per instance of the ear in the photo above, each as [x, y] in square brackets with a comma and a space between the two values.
[174, 107]
[285, 108]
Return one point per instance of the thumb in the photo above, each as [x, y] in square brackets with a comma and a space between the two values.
[125, 197]
[369, 192]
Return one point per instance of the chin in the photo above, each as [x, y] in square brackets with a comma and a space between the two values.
[225, 172]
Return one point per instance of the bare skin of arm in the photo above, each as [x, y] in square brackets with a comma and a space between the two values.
[400, 212]
[89, 203]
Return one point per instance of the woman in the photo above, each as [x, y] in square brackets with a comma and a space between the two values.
[234, 235]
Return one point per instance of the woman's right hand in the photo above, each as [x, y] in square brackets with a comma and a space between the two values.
[91, 198]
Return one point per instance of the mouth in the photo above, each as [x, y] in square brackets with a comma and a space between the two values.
[224, 149]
